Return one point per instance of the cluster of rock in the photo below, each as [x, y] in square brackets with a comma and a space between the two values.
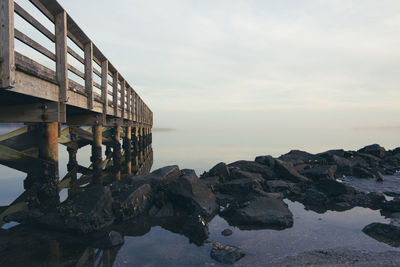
[248, 194]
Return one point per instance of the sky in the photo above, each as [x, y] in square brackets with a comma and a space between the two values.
[260, 75]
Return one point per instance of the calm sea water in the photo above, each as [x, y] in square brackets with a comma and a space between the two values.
[156, 246]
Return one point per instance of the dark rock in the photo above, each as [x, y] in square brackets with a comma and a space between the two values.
[386, 233]
[227, 232]
[266, 160]
[196, 229]
[226, 254]
[375, 150]
[332, 188]
[361, 172]
[220, 170]
[86, 212]
[211, 181]
[112, 239]
[243, 184]
[328, 155]
[261, 213]
[320, 172]
[392, 206]
[189, 192]
[24, 216]
[286, 171]
[296, 157]
[166, 210]
[254, 167]
[280, 186]
[130, 202]
[313, 197]
[379, 177]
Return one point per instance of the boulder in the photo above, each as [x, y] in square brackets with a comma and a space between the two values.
[279, 186]
[130, 202]
[86, 212]
[296, 157]
[227, 232]
[375, 150]
[392, 206]
[262, 213]
[226, 254]
[286, 171]
[266, 160]
[220, 170]
[112, 239]
[361, 172]
[332, 188]
[386, 233]
[313, 197]
[254, 167]
[190, 193]
[320, 172]
[242, 184]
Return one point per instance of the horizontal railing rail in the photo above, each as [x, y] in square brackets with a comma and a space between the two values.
[121, 101]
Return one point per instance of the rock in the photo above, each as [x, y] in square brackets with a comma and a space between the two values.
[286, 171]
[266, 160]
[211, 181]
[220, 170]
[254, 167]
[296, 157]
[166, 210]
[242, 184]
[112, 239]
[284, 187]
[226, 254]
[190, 193]
[375, 150]
[328, 155]
[131, 202]
[86, 212]
[320, 172]
[392, 206]
[262, 213]
[361, 172]
[313, 197]
[196, 229]
[24, 216]
[386, 233]
[332, 188]
[379, 177]
[227, 232]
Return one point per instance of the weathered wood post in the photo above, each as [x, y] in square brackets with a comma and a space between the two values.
[117, 152]
[72, 166]
[7, 59]
[96, 158]
[47, 190]
[135, 147]
[128, 149]
[141, 145]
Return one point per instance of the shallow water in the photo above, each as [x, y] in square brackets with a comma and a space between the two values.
[156, 246]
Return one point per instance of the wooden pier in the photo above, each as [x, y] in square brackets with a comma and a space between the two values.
[80, 88]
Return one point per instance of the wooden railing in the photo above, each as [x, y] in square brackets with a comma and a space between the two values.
[111, 96]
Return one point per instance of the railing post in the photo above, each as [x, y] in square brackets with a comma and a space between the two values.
[128, 102]
[7, 58]
[89, 73]
[104, 88]
[61, 62]
[123, 100]
[115, 93]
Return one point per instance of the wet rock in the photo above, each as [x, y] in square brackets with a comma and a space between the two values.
[286, 171]
[220, 170]
[167, 210]
[379, 177]
[261, 213]
[284, 187]
[196, 229]
[386, 233]
[211, 181]
[320, 172]
[361, 172]
[227, 232]
[266, 160]
[332, 188]
[86, 212]
[375, 150]
[242, 184]
[160, 176]
[392, 206]
[254, 167]
[226, 254]
[296, 157]
[313, 197]
[130, 202]
[190, 193]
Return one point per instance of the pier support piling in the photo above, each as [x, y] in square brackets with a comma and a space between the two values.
[96, 154]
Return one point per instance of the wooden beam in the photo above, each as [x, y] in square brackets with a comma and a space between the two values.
[61, 62]
[115, 93]
[128, 102]
[14, 133]
[123, 88]
[38, 112]
[34, 45]
[7, 59]
[89, 73]
[104, 88]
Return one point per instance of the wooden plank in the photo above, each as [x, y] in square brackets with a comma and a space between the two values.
[61, 62]
[34, 45]
[33, 86]
[89, 73]
[115, 93]
[38, 112]
[23, 162]
[14, 133]
[128, 102]
[95, 84]
[104, 89]
[43, 9]
[7, 59]
[75, 55]
[98, 73]
[35, 23]
[76, 71]
[33, 68]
